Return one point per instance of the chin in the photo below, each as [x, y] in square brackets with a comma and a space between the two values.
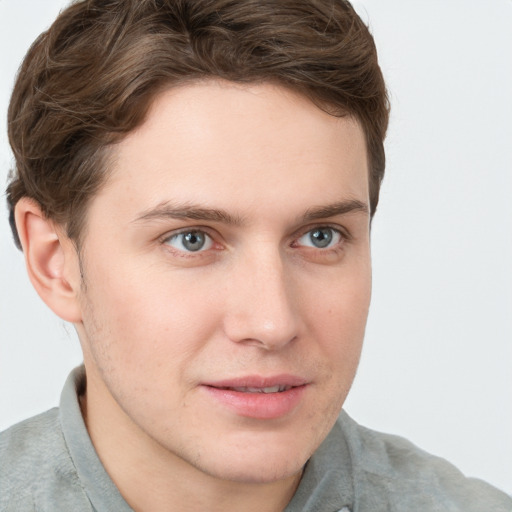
[255, 453]
[259, 473]
[258, 460]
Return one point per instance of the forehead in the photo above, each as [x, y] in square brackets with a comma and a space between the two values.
[218, 143]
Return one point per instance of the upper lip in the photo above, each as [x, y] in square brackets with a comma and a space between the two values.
[258, 381]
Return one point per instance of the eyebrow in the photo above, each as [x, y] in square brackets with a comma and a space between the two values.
[189, 211]
[332, 210]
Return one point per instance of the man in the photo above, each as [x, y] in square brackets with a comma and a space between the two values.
[194, 189]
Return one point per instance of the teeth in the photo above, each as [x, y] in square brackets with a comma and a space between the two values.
[272, 389]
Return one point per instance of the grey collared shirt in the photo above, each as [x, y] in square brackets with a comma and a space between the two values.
[48, 464]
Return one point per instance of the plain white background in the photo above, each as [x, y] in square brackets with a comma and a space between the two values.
[437, 362]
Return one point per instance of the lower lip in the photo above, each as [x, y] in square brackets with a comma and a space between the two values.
[263, 406]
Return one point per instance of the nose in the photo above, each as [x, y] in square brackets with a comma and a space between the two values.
[262, 308]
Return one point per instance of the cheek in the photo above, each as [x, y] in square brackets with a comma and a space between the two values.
[339, 315]
[342, 300]
[143, 318]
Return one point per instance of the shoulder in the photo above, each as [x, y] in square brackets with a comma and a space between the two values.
[391, 473]
[26, 446]
[36, 468]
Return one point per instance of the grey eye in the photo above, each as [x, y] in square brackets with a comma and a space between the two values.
[320, 238]
[190, 241]
[194, 241]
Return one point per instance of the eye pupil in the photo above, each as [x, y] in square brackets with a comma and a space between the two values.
[321, 237]
[194, 241]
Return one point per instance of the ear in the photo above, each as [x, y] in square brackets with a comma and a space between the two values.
[51, 260]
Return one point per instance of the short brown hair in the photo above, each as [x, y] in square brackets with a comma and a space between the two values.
[90, 79]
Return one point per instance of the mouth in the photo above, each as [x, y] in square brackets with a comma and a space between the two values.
[269, 389]
[259, 384]
[258, 397]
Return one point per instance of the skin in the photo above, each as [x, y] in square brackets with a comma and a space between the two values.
[156, 321]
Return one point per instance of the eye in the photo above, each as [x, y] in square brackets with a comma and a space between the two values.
[321, 238]
[190, 241]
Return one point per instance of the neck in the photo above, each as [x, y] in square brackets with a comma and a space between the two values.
[150, 478]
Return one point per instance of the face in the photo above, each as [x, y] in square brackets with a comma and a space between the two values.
[227, 279]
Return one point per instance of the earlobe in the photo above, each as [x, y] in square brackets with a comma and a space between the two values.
[51, 260]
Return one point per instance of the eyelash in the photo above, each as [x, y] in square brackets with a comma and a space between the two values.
[183, 253]
[343, 238]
